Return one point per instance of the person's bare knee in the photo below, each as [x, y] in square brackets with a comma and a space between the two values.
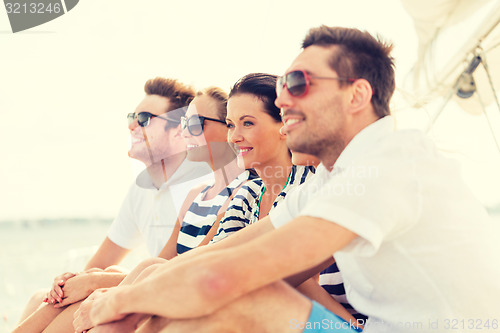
[116, 269]
[270, 308]
[139, 269]
[149, 269]
[150, 261]
[34, 303]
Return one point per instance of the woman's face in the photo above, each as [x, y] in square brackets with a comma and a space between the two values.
[255, 133]
[212, 143]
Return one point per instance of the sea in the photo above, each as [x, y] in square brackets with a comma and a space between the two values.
[34, 252]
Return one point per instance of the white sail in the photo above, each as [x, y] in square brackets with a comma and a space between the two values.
[455, 35]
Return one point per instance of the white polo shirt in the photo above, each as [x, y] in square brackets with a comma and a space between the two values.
[428, 256]
[149, 214]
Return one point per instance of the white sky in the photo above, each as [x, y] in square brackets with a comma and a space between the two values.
[66, 87]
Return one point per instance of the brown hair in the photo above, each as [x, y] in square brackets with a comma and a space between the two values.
[220, 98]
[178, 93]
[262, 86]
[359, 55]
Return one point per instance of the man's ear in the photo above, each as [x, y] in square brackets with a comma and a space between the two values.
[362, 93]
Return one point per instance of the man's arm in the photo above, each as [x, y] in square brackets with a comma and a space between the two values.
[107, 255]
[213, 279]
[301, 277]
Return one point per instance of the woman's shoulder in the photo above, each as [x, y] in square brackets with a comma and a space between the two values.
[251, 188]
[300, 173]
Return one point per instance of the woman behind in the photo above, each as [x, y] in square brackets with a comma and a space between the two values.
[204, 129]
[254, 124]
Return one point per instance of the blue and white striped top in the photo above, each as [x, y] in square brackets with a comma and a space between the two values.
[245, 210]
[331, 280]
[202, 214]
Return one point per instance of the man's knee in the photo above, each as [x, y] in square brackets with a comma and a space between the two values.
[147, 267]
[149, 262]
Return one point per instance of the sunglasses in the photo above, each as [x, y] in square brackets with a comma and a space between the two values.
[195, 123]
[298, 82]
[144, 118]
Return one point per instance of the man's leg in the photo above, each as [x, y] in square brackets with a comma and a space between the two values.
[274, 308]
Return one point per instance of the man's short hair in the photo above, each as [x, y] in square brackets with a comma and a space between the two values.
[359, 55]
[178, 93]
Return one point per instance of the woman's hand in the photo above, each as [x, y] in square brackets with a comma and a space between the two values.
[77, 288]
[56, 293]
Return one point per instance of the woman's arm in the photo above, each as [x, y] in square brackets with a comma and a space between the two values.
[314, 291]
[169, 251]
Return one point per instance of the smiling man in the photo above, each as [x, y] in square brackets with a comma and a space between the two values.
[415, 248]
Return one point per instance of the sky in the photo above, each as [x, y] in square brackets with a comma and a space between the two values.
[67, 85]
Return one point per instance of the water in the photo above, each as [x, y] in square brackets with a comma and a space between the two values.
[32, 253]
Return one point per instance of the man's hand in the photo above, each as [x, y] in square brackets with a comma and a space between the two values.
[96, 309]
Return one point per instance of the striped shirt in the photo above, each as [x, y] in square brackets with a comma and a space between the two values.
[247, 200]
[331, 280]
[202, 214]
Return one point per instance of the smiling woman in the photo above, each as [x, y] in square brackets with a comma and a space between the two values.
[254, 126]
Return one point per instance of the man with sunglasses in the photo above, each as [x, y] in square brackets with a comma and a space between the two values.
[416, 251]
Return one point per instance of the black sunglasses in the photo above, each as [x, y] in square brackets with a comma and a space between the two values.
[195, 123]
[143, 118]
[297, 82]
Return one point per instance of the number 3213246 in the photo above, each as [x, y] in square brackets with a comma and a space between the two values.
[32, 8]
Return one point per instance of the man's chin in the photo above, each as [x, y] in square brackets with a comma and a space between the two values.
[140, 157]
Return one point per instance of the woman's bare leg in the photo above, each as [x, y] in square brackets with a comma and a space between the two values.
[64, 321]
[34, 303]
[39, 319]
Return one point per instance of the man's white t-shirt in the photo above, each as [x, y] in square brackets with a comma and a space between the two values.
[427, 257]
[148, 214]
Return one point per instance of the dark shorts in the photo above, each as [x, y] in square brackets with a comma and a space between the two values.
[321, 320]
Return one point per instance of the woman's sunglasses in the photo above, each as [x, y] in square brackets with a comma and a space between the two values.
[144, 118]
[195, 123]
[297, 82]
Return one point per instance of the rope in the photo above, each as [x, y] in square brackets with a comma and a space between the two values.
[484, 106]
